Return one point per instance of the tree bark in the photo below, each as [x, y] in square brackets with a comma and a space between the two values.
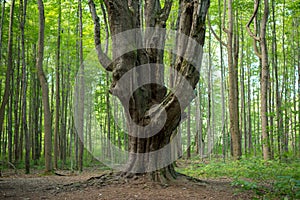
[188, 152]
[1, 30]
[233, 86]
[298, 47]
[57, 90]
[242, 94]
[265, 82]
[125, 16]
[209, 102]
[45, 90]
[278, 96]
[9, 70]
[24, 88]
[224, 135]
[265, 74]
[80, 128]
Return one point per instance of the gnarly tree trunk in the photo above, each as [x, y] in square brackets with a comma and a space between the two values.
[151, 100]
[45, 90]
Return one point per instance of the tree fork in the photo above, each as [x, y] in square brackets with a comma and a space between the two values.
[148, 102]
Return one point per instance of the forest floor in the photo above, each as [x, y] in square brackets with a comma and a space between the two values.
[68, 185]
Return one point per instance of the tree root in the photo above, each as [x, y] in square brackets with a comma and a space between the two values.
[193, 179]
[156, 179]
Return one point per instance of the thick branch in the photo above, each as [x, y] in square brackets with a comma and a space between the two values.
[106, 29]
[102, 57]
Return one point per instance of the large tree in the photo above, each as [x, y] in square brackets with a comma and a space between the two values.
[148, 104]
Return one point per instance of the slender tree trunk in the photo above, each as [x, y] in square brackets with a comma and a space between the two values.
[62, 139]
[45, 90]
[81, 91]
[271, 111]
[224, 135]
[249, 106]
[294, 116]
[263, 57]
[108, 117]
[188, 152]
[1, 33]
[9, 122]
[24, 88]
[285, 125]
[198, 124]
[209, 128]
[200, 137]
[298, 47]
[17, 110]
[265, 82]
[233, 87]
[9, 70]
[57, 90]
[38, 112]
[278, 96]
[242, 92]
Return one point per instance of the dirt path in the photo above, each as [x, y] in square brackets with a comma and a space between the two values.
[75, 186]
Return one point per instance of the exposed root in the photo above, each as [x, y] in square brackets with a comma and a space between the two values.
[190, 178]
[58, 174]
[160, 178]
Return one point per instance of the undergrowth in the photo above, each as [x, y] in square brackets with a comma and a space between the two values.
[268, 179]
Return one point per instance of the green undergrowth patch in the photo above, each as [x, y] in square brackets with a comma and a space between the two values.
[268, 179]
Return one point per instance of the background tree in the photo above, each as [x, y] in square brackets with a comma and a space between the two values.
[263, 56]
[45, 90]
[9, 70]
[232, 56]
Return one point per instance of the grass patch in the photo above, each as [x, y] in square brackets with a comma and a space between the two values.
[267, 178]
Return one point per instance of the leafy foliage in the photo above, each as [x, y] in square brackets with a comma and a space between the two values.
[269, 179]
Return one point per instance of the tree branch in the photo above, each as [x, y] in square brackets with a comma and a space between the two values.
[224, 16]
[106, 28]
[251, 20]
[102, 57]
[166, 10]
[214, 33]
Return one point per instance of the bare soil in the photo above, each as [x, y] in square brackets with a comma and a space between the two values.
[66, 185]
